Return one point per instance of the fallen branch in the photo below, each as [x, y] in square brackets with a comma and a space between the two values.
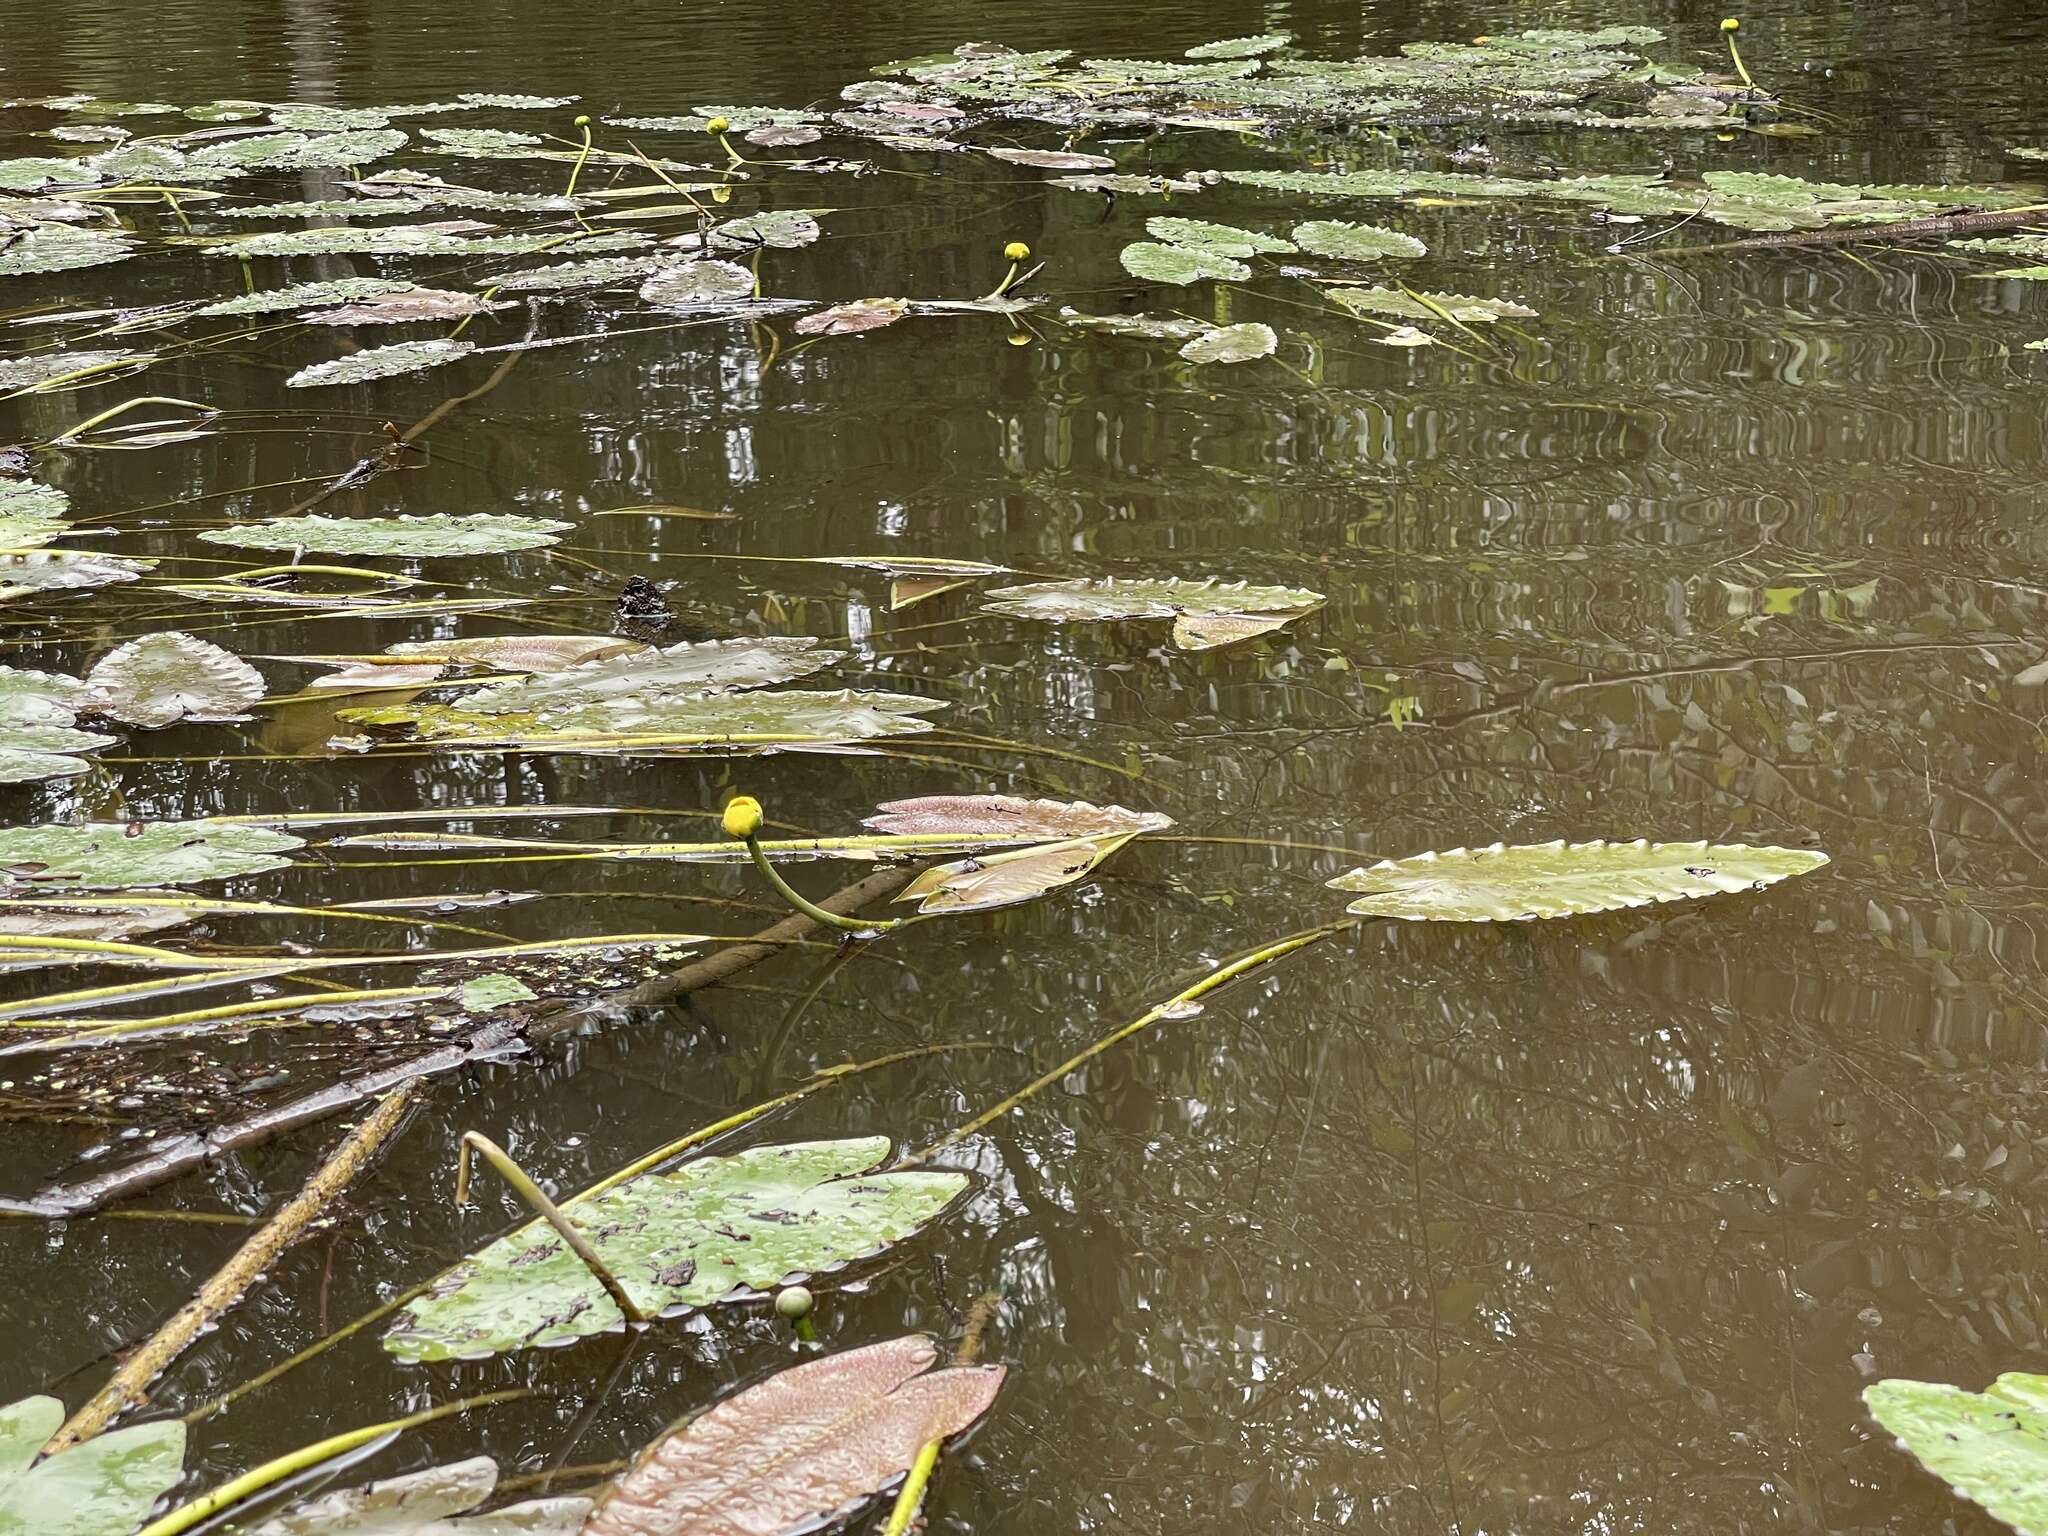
[1943, 226]
[125, 1388]
[497, 1038]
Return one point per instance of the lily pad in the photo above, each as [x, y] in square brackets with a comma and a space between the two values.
[716, 1229]
[485, 143]
[105, 1485]
[1355, 242]
[412, 308]
[1223, 239]
[1053, 159]
[695, 284]
[60, 248]
[1242, 47]
[1011, 816]
[484, 993]
[478, 533]
[1541, 880]
[163, 678]
[35, 173]
[27, 372]
[790, 720]
[113, 856]
[799, 1448]
[518, 653]
[32, 500]
[1159, 263]
[569, 275]
[1139, 327]
[990, 880]
[1991, 1447]
[1459, 306]
[786, 230]
[1241, 343]
[1110, 598]
[61, 571]
[339, 290]
[691, 670]
[430, 1502]
[382, 363]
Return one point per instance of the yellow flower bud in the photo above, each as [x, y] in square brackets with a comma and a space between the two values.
[1016, 250]
[583, 120]
[1019, 339]
[742, 816]
[718, 124]
[1731, 24]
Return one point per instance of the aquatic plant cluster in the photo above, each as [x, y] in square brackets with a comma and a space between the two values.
[688, 213]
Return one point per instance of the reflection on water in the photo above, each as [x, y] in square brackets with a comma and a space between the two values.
[1599, 1226]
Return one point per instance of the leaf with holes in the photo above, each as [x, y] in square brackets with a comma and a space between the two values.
[1540, 880]
[1244, 342]
[1991, 1447]
[116, 855]
[421, 538]
[1158, 263]
[382, 363]
[715, 1229]
[794, 1451]
[1355, 242]
[163, 678]
[102, 1487]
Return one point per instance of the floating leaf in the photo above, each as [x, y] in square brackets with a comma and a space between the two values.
[990, 880]
[21, 575]
[1209, 631]
[339, 290]
[163, 678]
[97, 920]
[479, 533]
[778, 136]
[716, 1229]
[1054, 159]
[34, 173]
[1139, 327]
[694, 284]
[494, 991]
[568, 275]
[112, 856]
[487, 143]
[1459, 306]
[59, 248]
[421, 240]
[1110, 599]
[1242, 47]
[519, 653]
[377, 675]
[40, 698]
[31, 501]
[1355, 242]
[667, 721]
[792, 1452]
[1011, 816]
[1991, 1447]
[32, 752]
[860, 315]
[101, 1487]
[410, 308]
[1533, 880]
[1241, 343]
[426, 1503]
[691, 669]
[382, 363]
[317, 119]
[1158, 263]
[782, 231]
[1222, 239]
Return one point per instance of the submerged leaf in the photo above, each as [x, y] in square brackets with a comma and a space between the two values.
[568, 275]
[717, 1228]
[860, 315]
[163, 678]
[112, 856]
[1538, 880]
[103, 1486]
[1241, 343]
[791, 1452]
[1991, 1447]
[479, 533]
[382, 362]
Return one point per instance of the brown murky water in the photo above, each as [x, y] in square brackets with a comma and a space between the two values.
[1598, 1226]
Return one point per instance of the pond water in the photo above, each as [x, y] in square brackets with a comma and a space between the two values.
[1601, 1225]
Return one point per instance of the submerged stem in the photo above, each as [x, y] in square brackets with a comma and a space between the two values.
[551, 1213]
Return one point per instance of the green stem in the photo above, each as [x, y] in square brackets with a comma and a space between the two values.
[72, 434]
[576, 170]
[1735, 55]
[912, 1496]
[549, 1212]
[811, 909]
[185, 1516]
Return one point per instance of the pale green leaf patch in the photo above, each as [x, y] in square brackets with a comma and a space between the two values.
[479, 533]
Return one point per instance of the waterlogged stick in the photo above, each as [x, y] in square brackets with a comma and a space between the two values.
[227, 1285]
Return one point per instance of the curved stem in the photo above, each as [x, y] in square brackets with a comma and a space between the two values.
[1735, 55]
[809, 908]
[577, 169]
[549, 1212]
[72, 434]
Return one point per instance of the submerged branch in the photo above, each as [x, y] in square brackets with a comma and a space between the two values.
[1942, 226]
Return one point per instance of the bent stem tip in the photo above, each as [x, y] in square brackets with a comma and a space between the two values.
[742, 820]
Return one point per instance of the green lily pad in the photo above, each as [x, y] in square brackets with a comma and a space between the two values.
[691, 670]
[1542, 880]
[162, 678]
[421, 240]
[1053, 159]
[695, 284]
[59, 248]
[382, 363]
[479, 533]
[430, 1502]
[27, 372]
[484, 143]
[1221, 239]
[1355, 242]
[1181, 265]
[1459, 306]
[300, 152]
[716, 1229]
[113, 856]
[784, 230]
[567, 276]
[338, 290]
[791, 720]
[1242, 343]
[31, 499]
[317, 119]
[414, 308]
[105, 1486]
[62, 571]
[327, 208]
[1991, 1447]
[1242, 47]
[33, 174]
[515, 101]
[483, 993]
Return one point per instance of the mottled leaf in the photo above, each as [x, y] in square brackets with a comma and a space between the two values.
[59, 248]
[1460, 307]
[479, 533]
[990, 880]
[382, 362]
[1241, 343]
[27, 372]
[1139, 327]
[104, 1487]
[112, 856]
[1221, 239]
[411, 308]
[691, 669]
[1155, 262]
[1355, 242]
[163, 678]
[339, 290]
[860, 315]
[1991, 1447]
[519, 653]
